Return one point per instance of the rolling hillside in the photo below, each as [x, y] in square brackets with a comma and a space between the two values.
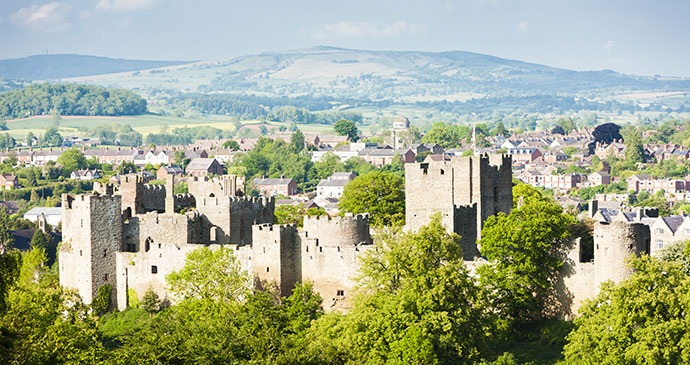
[377, 75]
[61, 66]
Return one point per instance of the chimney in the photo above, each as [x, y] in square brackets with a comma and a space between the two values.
[593, 207]
[170, 194]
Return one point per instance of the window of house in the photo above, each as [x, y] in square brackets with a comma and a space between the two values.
[154, 269]
[659, 231]
[268, 269]
[340, 293]
[105, 277]
[659, 244]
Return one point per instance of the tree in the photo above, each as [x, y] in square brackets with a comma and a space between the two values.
[6, 240]
[290, 214]
[634, 150]
[641, 320]
[605, 134]
[51, 137]
[297, 141]
[30, 178]
[101, 304]
[418, 305]
[10, 265]
[151, 303]
[181, 159]
[126, 167]
[558, 130]
[71, 160]
[567, 125]
[45, 242]
[347, 128]
[211, 275]
[442, 135]
[45, 324]
[3, 125]
[378, 193]
[525, 251]
[500, 130]
[231, 145]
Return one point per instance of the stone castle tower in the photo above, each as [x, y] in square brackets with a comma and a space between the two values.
[92, 231]
[465, 190]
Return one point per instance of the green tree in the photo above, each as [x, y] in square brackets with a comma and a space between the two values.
[231, 145]
[71, 160]
[151, 303]
[10, 265]
[51, 137]
[45, 324]
[43, 241]
[347, 128]
[101, 304]
[378, 193]
[634, 150]
[290, 214]
[419, 305]
[297, 141]
[180, 159]
[126, 167]
[30, 178]
[210, 274]
[441, 135]
[525, 251]
[642, 320]
[6, 240]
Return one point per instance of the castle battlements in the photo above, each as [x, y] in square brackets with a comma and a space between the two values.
[350, 230]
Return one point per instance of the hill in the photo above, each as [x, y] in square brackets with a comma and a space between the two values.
[61, 66]
[383, 75]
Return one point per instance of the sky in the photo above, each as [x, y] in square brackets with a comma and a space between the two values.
[633, 37]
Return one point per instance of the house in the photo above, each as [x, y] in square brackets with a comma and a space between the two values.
[384, 156]
[343, 176]
[276, 187]
[663, 232]
[8, 182]
[204, 166]
[85, 175]
[10, 206]
[635, 181]
[599, 178]
[166, 171]
[331, 188]
[524, 155]
[53, 215]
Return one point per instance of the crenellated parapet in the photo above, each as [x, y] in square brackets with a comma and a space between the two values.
[349, 230]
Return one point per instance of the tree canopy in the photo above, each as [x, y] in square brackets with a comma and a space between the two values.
[378, 193]
[347, 128]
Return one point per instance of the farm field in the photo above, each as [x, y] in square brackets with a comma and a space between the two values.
[144, 124]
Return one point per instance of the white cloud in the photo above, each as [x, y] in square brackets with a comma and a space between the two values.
[85, 14]
[523, 27]
[363, 29]
[609, 46]
[51, 16]
[123, 5]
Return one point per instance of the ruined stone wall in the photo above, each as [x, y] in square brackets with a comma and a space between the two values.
[233, 217]
[445, 186]
[92, 234]
[220, 186]
[465, 223]
[428, 190]
[350, 230]
[140, 197]
[146, 270]
[331, 269]
[275, 256]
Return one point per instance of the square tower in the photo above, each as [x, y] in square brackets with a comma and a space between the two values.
[92, 234]
[465, 191]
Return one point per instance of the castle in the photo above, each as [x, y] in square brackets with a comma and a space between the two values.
[134, 238]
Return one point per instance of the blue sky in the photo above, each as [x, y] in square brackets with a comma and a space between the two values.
[638, 37]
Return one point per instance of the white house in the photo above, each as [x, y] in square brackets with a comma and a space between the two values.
[53, 215]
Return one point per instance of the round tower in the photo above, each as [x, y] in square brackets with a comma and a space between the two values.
[614, 243]
[401, 124]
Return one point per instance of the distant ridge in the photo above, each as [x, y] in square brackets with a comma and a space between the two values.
[61, 66]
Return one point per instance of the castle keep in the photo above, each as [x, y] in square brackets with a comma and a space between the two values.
[465, 190]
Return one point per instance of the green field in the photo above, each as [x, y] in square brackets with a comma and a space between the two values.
[144, 124]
